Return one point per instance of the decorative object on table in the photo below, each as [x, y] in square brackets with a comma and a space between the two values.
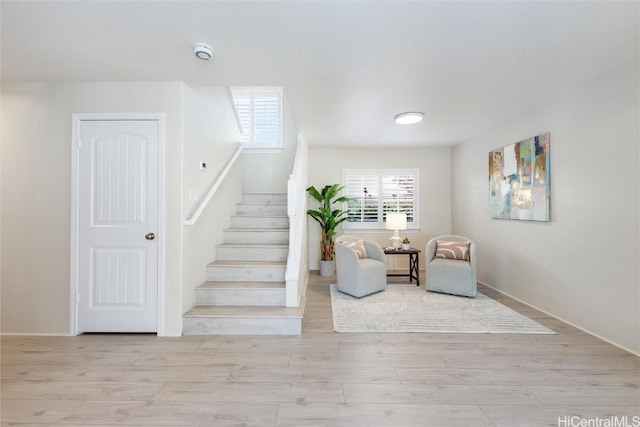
[450, 265]
[406, 308]
[406, 243]
[361, 266]
[329, 217]
[396, 221]
[520, 180]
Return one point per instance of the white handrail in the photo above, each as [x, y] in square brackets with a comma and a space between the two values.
[196, 214]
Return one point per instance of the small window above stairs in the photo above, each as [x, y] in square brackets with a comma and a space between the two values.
[245, 289]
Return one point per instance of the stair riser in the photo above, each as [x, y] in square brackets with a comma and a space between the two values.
[253, 236]
[267, 297]
[261, 210]
[241, 326]
[264, 198]
[251, 254]
[245, 274]
[259, 222]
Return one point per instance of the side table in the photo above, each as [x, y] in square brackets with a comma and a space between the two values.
[414, 263]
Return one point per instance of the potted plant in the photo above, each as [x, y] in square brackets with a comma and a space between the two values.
[406, 243]
[329, 217]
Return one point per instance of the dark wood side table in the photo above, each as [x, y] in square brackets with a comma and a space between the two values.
[414, 263]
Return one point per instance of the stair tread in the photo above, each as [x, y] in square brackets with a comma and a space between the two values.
[251, 193]
[262, 203]
[268, 216]
[253, 230]
[245, 311]
[241, 285]
[254, 245]
[248, 263]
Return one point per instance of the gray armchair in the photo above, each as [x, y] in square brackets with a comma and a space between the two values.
[451, 276]
[360, 276]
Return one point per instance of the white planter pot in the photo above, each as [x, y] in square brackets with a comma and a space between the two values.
[326, 268]
[406, 247]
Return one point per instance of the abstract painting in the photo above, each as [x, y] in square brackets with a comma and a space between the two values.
[519, 180]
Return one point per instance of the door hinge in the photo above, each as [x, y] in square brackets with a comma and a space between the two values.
[77, 297]
[79, 143]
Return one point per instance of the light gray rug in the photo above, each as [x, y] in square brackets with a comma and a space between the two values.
[408, 308]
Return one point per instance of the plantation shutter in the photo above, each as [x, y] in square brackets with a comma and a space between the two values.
[243, 107]
[267, 119]
[398, 193]
[364, 190]
[260, 114]
[376, 192]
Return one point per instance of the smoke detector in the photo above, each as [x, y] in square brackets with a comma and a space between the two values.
[203, 51]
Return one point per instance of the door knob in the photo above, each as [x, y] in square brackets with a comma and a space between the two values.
[150, 236]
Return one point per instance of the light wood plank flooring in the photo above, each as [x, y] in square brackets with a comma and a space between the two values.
[321, 378]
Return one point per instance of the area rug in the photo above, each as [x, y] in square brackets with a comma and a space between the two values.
[407, 308]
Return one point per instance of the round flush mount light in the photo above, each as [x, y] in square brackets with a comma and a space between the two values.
[203, 51]
[408, 118]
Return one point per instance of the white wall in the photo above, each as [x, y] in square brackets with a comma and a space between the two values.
[36, 183]
[326, 166]
[210, 133]
[583, 265]
[269, 172]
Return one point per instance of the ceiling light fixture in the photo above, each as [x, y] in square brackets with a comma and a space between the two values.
[203, 51]
[408, 118]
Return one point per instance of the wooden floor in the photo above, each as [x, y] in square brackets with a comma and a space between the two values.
[321, 378]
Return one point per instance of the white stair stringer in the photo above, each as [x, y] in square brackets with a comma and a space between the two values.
[245, 289]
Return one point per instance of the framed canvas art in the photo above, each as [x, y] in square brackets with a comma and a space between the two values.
[519, 180]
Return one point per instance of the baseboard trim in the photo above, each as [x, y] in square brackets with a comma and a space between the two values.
[562, 320]
[32, 334]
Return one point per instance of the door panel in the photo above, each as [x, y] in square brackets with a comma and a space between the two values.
[119, 180]
[119, 276]
[118, 206]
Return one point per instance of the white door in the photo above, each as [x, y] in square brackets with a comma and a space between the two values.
[118, 217]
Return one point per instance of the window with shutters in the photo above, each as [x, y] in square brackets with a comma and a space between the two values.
[378, 191]
[259, 111]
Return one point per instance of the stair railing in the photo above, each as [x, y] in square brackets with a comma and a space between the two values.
[223, 174]
[296, 273]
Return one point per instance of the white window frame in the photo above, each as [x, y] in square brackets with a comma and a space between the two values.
[250, 93]
[379, 174]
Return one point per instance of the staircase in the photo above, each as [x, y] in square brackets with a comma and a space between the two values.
[245, 289]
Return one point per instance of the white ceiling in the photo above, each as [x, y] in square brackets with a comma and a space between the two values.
[347, 67]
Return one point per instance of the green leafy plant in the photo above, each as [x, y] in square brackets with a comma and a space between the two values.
[406, 240]
[328, 216]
